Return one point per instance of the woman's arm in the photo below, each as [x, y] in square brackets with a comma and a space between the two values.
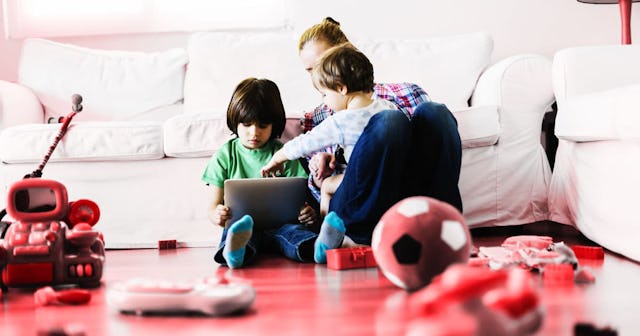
[219, 214]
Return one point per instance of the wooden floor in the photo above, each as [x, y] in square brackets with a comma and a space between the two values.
[309, 299]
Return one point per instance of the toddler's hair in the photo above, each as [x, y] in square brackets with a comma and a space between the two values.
[344, 65]
[256, 100]
[328, 30]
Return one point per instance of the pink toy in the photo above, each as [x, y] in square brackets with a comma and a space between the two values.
[417, 239]
[531, 252]
[209, 297]
[51, 241]
[48, 296]
[485, 302]
[350, 257]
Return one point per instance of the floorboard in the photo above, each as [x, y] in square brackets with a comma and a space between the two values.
[308, 299]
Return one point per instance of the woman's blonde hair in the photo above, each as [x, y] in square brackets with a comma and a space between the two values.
[327, 30]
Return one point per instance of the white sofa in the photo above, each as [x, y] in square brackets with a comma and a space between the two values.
[152, 120]
[595, 180]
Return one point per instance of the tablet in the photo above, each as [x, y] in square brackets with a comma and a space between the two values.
[272, 202]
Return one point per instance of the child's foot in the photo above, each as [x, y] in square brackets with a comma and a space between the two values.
[330, 237]
[238, 236]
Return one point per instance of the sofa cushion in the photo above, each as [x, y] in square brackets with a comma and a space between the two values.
[479, 126]
[447, 68]
[218, 62]
[605, 115]
[194, 135]
[84, 141]
[115, 85]
[198, 135]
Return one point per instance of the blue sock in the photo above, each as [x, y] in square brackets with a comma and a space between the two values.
[330, 237]
[238, 236]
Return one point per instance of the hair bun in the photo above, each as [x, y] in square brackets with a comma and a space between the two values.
[329, 19]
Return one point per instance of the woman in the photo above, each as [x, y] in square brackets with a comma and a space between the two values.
[396, 157]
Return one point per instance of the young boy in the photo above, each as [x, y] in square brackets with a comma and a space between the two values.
[256, 116]
[344, 77]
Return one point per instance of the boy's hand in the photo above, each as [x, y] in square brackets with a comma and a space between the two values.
[221, 215]
[308, 216]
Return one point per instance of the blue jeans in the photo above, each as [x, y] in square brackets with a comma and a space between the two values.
[286, 240]
[395, 158]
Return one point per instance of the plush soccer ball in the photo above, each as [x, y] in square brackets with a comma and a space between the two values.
[417, 239]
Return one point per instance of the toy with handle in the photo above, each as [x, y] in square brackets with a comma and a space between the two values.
[51, 241]
[76, 107]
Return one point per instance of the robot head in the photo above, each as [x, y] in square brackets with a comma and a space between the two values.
[35, 199]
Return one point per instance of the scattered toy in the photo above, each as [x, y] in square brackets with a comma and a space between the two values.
[417, 239]
[350, 257]
[167, 244]
[48, 296]
[213, 297]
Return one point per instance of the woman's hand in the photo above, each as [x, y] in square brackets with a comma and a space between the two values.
[321, 166]
[221, 214]
[308, 216]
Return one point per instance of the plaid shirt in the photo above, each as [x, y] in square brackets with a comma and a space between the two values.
[406, 96]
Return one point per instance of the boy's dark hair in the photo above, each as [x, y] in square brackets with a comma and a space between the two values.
[344, 65]
[256, 100]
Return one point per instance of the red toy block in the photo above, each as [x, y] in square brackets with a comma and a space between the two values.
[167, 244]
[588, 252]
[350, 257]
[558, 275]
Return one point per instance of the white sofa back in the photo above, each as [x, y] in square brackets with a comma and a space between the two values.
[446, 67]
[137, 88]
[115, 85]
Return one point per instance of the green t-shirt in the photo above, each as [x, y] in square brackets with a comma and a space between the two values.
[234, 161]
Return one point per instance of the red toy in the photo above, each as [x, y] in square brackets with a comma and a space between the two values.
[482, 301]
[417, 239]
[350, 257]
[51, 241]
[48, 296]
[167, 244]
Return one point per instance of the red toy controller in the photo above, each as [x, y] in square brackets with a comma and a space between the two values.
[51, 241]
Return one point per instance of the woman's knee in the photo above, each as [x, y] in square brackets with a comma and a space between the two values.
[389, 123]
[434, 116]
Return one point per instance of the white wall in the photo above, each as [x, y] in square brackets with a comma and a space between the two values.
[518, 26]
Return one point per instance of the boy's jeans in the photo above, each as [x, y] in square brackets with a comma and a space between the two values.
[285, 240]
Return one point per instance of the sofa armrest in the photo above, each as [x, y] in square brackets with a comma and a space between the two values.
[521, 87]
[18, 105]
[604, 115]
